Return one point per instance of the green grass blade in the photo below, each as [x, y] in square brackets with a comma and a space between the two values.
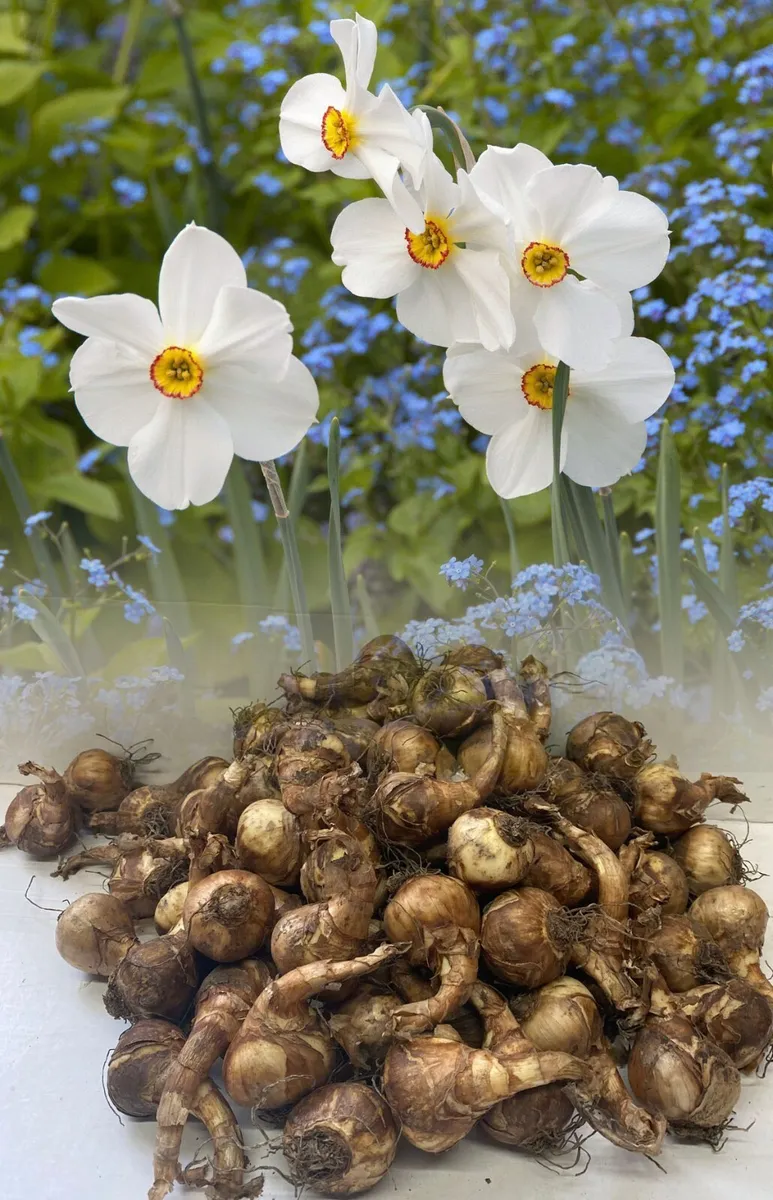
[560, 540]
[728, 570]
[293, 571]
[249, 559]
[182, 661]
[512, 538]
[596, 542]
[166, 582]
[38, 544]
[51, 632]
[700, 553]
[572, 518]
[611, 533]
[343, 633]
[89, 649]
[668, 543]
[626, 570]
[299, 482]
[367, 611]
[722, 610]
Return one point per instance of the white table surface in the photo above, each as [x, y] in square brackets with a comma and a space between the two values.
[61, 1140]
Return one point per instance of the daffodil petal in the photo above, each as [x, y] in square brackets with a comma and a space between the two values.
[577, 323]
[503, 174]
[633, 385]
[127, 319]
[488, 287]
[266, 419]
[519, 459]
[182, 455]
[601, 447]
[357, 40]
[195, 267]
[247, 323]
[486, 388]
[624, 246]
[300, 121]
[565, 197]
[369, 243]
[113, 391]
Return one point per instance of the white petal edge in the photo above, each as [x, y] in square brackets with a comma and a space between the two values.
[247, 323]
[503, 174]
[182, 456]
[633, 385]
[562, 195]
[485, 387]
[601, 447]
[369, 243]
[130, 320]
[488, 288]
[358, 41]
[266, 419]
[300, 121]
[625, 246]
[195, 268]
[113, 392]
[519, 459]
[577, 323]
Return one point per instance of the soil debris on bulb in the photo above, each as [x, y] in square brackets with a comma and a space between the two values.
[375, 914]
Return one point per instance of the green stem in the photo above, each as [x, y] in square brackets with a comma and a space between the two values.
[611, 532]
[210, 171]
[560, 393]
[128, 38]
[48, 27]
[460, 147]
[668, 543]
[515, 564]
[292, 560]
[343, 633]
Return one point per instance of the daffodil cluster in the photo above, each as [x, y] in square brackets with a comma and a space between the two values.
[514, 265]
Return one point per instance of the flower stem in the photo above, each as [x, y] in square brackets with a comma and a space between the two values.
[560, 393]
[292, 559]
[210, 171]
[128, 38]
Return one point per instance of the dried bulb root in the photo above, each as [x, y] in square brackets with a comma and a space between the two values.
[94, 933]
[340, 1140]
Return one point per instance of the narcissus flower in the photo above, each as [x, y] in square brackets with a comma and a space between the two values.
[509, 394]
[450, 283]
[579, 244]
[207, 374]
[326, 127]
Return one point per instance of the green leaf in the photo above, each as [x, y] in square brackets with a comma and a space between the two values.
[166, 582]
[51, 632]
[13, 27]
[460, 147]
[74, 108]
[251, 574]
[343, 633]
[15, 224]
[668, 536]
[16, 78]
[597, 545]
[37, 542]
[29, 656]
[76, 275]
[560, 393]
[512, 538]
[728, 572]
[723, 612]
[88, 495]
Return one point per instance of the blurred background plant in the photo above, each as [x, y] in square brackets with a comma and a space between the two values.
[106, 154]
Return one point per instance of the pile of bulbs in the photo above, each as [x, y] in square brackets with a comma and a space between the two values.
[396, 886]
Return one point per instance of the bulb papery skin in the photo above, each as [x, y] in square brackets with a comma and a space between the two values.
[383, 671]
[737, 919]
[153, 979]
[94, 933]
[475, 658]
[97, 780]
[610, 745]
[402, 745]
[553, 869]
[268, 841]
[685, 954]
[488, 849]
[449, 700]
[525, 761]
[657, 881]
[152, 811]
[228, 915]
[521, 938]
[362, 1025]
[734, 1016]
[340, 1140]
[40, 819]
[708, 858]
[596, 809]
[534, 1122]
[665, 801]
[169, 909]
[679, 1074]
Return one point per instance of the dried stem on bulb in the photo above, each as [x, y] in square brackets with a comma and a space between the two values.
[384, 670]
[144, 869]
[563, 1016]
[40, 820]
[413, 809]
[737, 918]
[284, 1049]
[136, 1076]
[666, 801]
[440, 920]
[217, 807]
[94, 933]
[330, 929]
[525, 760]
[340, 1140]
[222, 1004]
[535, 682]
[152, 811]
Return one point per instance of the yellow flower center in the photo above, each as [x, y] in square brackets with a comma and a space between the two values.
[177, 373]
[432, 247]
[544, 265]
[338, 131]
[537, 385]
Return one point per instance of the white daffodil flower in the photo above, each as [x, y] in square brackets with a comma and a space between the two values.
[509, 395]
[207, 374]
[326, 127]
[578, 245]
[450, 283]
